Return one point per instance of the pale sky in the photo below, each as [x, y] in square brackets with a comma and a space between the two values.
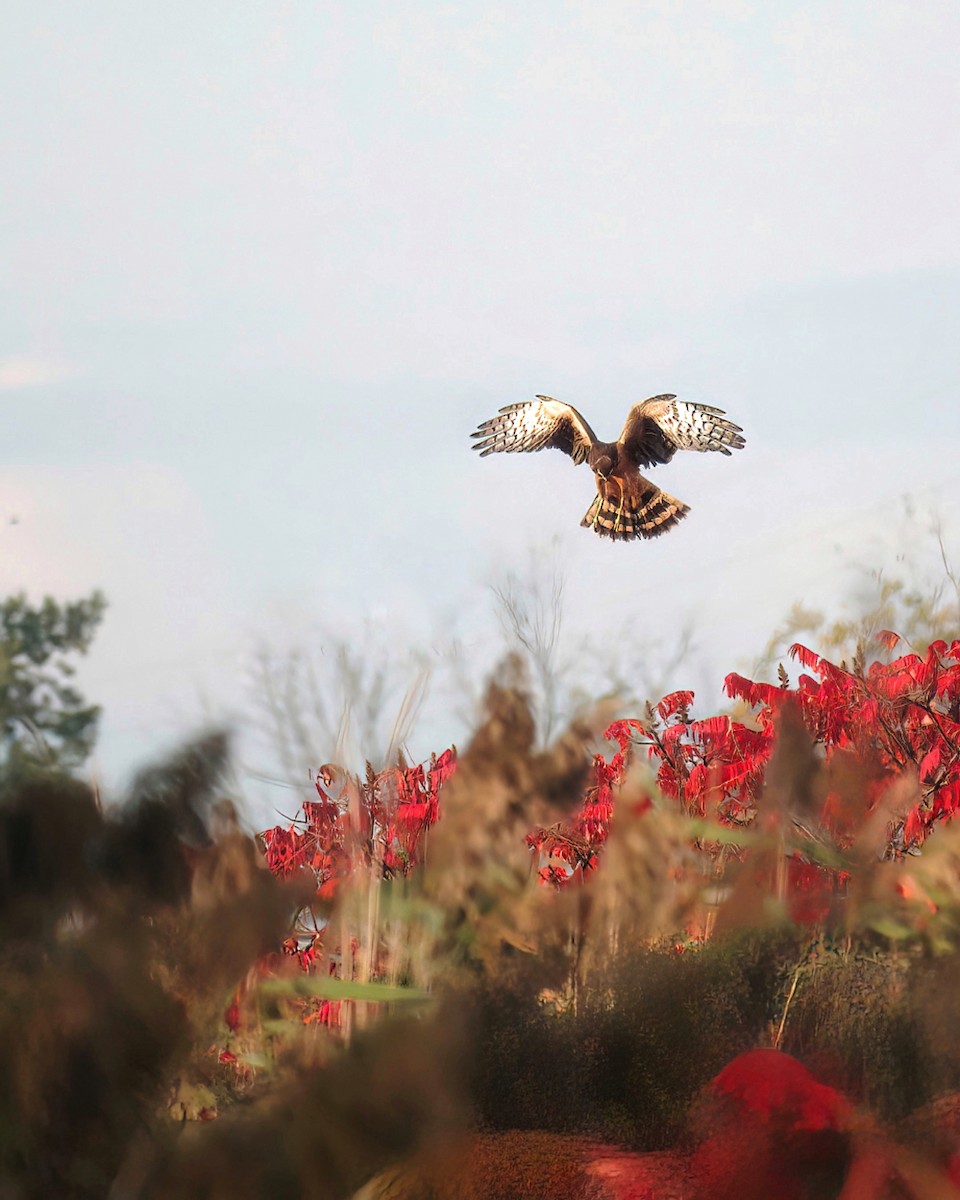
[266, 265]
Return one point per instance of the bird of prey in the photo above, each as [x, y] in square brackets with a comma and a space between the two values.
[627, 505]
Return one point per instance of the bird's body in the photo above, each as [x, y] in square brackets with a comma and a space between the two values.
[627, 504]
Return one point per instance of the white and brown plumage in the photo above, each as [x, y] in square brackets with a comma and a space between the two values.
[627, 505]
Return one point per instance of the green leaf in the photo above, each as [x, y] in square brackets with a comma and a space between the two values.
[342, 989]
[259, 1062]
[889, 927]
[726, 835]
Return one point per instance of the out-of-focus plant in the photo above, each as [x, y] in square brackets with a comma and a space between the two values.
[121, 935]
[140, 993]
[360, 834]
[399, 894]
[550, 892]
[44, 720]
[571, 846]
[849, 767]
[898, 719]
[352, 698]
[570, 671]
[380, 821]
[918, 595]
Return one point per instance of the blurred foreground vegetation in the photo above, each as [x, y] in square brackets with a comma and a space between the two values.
[459, 977]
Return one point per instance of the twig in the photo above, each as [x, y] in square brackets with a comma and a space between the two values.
[786, 1008]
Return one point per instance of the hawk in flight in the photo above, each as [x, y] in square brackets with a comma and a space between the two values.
[627, 505]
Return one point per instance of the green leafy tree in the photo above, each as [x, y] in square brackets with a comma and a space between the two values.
[44, 720]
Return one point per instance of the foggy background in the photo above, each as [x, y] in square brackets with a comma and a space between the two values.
[266, 265]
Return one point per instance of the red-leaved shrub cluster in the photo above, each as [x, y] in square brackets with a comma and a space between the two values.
[894, 727]
[382, 820]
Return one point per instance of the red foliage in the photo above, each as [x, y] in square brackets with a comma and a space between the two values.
[571, 846]
[232, 1016]
[380, 822]
[892, 720]
[772, 1085]
[901, 717]
[772, 1130]
[377, 825]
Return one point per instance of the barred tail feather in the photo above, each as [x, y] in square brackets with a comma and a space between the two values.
[658, 514]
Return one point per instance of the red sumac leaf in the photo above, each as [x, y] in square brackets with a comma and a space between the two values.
[914, 826]
[929, 764]
[946, 800]
[805, 657]
[622, 732]
[668, 781]
[673, 703]
[670, 735]
[737, 687]
[710, 730]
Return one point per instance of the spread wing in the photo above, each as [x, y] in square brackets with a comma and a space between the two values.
[657, 428]
[535, 425]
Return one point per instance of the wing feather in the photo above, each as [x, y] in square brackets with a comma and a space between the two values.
[539, 424]
[657, 428]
